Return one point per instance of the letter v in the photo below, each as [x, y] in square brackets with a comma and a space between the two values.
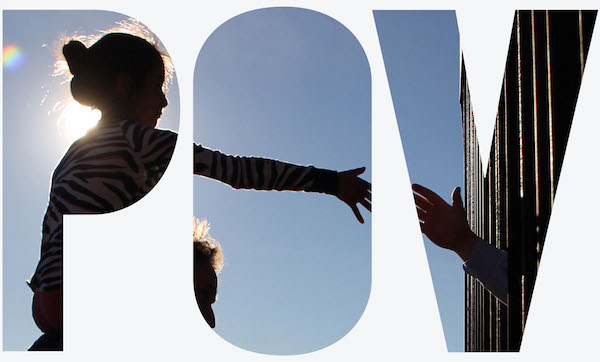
[508, 203]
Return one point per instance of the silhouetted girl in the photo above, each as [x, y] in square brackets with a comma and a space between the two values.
[118, 161]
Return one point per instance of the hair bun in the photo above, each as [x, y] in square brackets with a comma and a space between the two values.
[74, 52]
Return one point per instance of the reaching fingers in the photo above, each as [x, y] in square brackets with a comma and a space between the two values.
[353, 172]
[365, 192]
[365, 188]
[366, 204]
[422, 203]
[431, 196]
[353, 191]
[425, 228]
[356, 171]
[456, 199]
[422, 214]
[357, 214]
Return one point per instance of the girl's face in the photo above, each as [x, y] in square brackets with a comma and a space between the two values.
[148, 101]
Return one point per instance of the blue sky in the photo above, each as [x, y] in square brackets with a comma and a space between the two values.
[286, 83]
[292, 85]
[421, 55]
[283, 83]
[416, 47]
[33, 143]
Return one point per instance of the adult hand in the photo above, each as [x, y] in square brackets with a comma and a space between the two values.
[353, 190]
[445, 225]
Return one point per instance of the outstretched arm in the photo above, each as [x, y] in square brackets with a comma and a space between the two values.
[265, 174]
[447, 226]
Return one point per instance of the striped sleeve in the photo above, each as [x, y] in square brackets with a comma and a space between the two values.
[262, 174]
[153, 148]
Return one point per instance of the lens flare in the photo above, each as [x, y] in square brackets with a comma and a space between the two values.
[75, 120]
[12, 57]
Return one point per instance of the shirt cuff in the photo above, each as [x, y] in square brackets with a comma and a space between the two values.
[490, 266]
[324, 181]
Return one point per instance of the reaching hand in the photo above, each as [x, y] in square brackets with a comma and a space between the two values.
[353, 190]
[445, 225]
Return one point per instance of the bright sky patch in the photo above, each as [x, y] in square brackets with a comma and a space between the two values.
[75, 120]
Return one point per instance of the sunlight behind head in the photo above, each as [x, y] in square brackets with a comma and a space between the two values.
[73, 119]
[205, 247]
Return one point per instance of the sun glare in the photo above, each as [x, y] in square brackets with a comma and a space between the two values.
[75, 120]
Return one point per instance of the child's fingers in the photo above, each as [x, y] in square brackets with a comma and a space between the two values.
[366, 204]
[357, 214]
[356, 171]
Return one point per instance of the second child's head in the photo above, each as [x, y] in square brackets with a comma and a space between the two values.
[208, 261]
[122, 75]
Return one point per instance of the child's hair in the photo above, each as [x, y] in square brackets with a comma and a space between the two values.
[95, 69]
[72, 52]
[205, 247]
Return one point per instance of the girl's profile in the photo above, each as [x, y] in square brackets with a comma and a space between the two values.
[120, 160]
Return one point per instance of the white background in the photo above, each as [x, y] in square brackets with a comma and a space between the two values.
[151, 312]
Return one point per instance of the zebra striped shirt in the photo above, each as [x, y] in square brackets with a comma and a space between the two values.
[114, 165]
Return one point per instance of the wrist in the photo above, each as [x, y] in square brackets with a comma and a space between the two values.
[324, 181]
[466, 245]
